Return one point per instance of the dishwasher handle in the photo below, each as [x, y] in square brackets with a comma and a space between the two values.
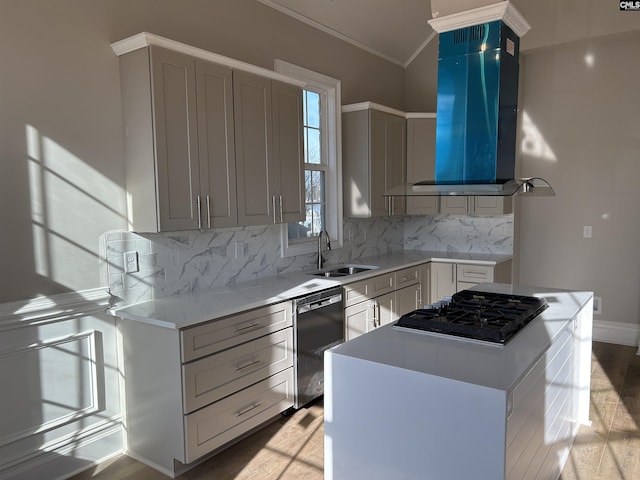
[321, 303]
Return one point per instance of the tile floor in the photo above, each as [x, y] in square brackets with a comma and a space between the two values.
[292, 447]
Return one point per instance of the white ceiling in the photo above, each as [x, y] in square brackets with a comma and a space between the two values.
[396, 30]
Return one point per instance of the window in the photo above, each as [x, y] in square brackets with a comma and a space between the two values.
[323, 192]
[315, 169]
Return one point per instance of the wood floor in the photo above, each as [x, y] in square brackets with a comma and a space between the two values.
[292, 447]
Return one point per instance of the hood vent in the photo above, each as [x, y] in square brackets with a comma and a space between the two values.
[477, 106]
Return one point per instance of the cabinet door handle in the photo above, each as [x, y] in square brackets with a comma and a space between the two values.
[273, 206]
[247, 409]
[281, 209]
[199, 205]
[208, 211]
[453, 272]
[248, 364]
[374, 314]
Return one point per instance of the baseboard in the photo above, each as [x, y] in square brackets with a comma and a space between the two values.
[77, 455]
[614, 332]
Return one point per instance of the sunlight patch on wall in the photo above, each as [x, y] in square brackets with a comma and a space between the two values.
[72, 204]
[533, 142]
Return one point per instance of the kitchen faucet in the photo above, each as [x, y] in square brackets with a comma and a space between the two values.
[320, 259]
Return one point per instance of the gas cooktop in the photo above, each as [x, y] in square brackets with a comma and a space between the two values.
[476, 315]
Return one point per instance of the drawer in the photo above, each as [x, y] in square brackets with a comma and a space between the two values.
[357, 292]
[217, 376]
[407, 277]
[383, 284]
[474, 273]
[370, 288]
[223, 421]
[227, 332]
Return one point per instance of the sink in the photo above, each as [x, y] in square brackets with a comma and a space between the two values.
[342, 271]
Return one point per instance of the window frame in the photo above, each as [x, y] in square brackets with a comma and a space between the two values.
[329, 90]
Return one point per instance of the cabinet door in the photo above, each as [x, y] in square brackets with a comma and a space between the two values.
[454, 204]
[287, 152]
[359, 319]
[385, 306]
[254, 159]
[425, 284]
[407, 300]
[443, 280]
[216, 147]
[395, 161]
[378, 160]
[492, 205]
[421, 153]
[176, 139]
[387, 156]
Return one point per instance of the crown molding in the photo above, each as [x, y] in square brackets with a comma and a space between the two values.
[504, 11]
[146, 39]
[357, 107]
[329, 31]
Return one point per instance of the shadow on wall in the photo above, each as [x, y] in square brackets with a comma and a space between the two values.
[70, 204]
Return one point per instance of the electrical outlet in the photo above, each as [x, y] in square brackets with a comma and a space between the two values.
[597, 305]
[587, 231]
[131, 263]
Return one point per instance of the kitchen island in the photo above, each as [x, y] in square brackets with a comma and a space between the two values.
[407, 405]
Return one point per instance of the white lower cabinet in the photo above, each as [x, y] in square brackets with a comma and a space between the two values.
[443, 281]
[223, 421]
[368, 308]
[408, 299]
[448, 278]
[191, 391]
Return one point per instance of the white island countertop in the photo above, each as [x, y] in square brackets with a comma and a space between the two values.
[188, 309]
[407, 405]
[479, 363]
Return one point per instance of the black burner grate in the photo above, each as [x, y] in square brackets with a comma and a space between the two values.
[493, 317]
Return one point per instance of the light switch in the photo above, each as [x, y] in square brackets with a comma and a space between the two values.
[587, 231]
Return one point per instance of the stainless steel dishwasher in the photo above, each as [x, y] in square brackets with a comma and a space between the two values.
[318, 325]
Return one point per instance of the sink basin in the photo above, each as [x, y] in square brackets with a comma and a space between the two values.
[342, 270]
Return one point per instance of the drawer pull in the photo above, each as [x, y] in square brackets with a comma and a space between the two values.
[246, 410]
[475, 274]
[247, 365]
[248, 327]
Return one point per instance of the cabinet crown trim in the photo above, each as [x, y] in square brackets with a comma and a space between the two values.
[356, 107]
[146, 39]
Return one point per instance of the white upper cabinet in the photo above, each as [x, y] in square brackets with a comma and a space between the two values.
[208, 145]
[268, 125]
[421, 154]
[373, 160]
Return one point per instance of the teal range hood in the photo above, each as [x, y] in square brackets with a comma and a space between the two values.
[477, 106]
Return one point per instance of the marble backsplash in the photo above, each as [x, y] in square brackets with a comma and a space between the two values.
[179, 262]
[459, 233]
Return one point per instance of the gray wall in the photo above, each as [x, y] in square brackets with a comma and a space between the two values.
[580, 128]
[61, 146]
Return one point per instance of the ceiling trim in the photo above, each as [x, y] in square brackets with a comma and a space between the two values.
[330, 31]
[420, 48]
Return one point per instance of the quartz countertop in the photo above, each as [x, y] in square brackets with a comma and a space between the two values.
[188, 309]
[485, 364]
